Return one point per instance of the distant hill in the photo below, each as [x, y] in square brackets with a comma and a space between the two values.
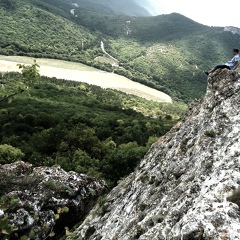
[123, 7]
[166, 52]
[114, 7]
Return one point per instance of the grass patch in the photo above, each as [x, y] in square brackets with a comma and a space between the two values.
[183, 145]
[144, 177]
[142, 206]
[140, 232]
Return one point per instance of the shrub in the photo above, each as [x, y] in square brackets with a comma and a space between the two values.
[101, 200]
[157, 183]
[144, 177]
[90, 231]
[6, 204]
[59, 187]
[141, 216]
[210, 134]
[158, 218]
[152, 180]
[104, 209]
[142, 206]
[140, 232]
[184, 145]
[235, 197]
[9, 154]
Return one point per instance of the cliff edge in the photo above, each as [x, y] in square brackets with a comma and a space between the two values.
[187, 186]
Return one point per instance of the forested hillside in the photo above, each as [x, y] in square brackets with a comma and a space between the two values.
[124, 7]
[166, 52]
[80, 127]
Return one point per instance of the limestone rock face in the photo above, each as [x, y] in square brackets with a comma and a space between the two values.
[187, 186]
[42, 201]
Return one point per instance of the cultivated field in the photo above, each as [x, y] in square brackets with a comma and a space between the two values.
[82, 73]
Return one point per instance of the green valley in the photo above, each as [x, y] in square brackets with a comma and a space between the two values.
[84, 128]
[83, 73]
[166, 52]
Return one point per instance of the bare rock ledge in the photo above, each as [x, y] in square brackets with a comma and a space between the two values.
[40, 202]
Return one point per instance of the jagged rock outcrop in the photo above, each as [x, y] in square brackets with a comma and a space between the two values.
[187, 186]
[42, 201]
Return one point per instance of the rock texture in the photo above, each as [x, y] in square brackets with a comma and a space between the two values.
[41, 202]
[187, 186]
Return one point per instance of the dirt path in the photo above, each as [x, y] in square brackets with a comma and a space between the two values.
[82, 73]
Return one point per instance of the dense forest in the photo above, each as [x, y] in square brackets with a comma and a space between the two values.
[167, 52]
[80, 127]
[103, 133]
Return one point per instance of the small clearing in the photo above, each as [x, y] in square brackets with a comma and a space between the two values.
[82, 73]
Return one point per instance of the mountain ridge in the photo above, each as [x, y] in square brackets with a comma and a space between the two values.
[112, 7]
[124, 7]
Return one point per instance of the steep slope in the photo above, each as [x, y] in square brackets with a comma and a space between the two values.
[27, 29]
[187, 186]
[113, 7]
[123, 7]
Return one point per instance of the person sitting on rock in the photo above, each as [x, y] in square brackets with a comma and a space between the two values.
[230, 65]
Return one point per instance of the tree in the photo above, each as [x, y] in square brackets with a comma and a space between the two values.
[9, 154]
[122, 161]
[29, 76]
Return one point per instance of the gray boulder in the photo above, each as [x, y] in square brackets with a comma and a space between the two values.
[40, 202]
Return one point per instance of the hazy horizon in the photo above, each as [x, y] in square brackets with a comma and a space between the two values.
[209, 13]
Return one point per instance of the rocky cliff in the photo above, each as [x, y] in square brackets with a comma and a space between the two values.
[187, 186]
[39, 203]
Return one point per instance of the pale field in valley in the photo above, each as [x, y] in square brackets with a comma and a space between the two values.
[82, 73]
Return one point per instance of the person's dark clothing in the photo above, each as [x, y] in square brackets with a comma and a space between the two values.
[222, 67]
